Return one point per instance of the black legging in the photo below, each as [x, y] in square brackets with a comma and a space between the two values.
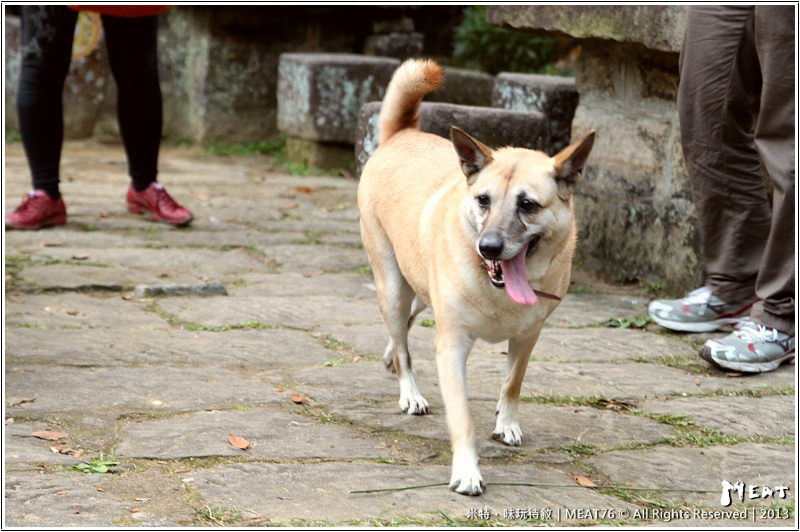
[46, 47]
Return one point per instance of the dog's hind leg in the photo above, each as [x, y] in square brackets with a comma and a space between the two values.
[396, 301]
[507, 429]
[388, 355]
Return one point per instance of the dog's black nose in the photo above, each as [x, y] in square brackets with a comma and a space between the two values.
[491, 246]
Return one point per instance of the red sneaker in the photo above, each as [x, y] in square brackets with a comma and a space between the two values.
[37, 210]
[155, 201]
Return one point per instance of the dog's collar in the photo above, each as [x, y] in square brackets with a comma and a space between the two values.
[539, 293]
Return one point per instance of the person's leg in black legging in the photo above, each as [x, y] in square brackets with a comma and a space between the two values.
[132, 55]
[46, 49]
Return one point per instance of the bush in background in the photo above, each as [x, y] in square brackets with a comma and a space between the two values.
[481, 46]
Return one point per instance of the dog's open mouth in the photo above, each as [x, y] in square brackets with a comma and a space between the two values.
[510, 274]
[495, 268]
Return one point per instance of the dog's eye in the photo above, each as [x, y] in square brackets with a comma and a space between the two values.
[483, 201]
[529, 206]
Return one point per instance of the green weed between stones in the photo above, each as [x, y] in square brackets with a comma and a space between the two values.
[101, 463]
[175, 321]
[709, 437]
[311, 239]
[638, 322]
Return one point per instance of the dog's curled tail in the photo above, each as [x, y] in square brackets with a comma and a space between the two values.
[411, 81]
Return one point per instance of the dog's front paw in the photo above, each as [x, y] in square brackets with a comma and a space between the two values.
[466, 478]
[414, 405]
[470, 485]
[510, 434]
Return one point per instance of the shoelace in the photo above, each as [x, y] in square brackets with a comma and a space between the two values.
[701, 296]
[753, 332]
[27, 203]
[164, 199]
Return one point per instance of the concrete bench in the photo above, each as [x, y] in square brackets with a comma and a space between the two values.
[494, 127]
[554, 96]
[319, 97]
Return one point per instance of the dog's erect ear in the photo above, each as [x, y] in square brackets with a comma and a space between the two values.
[474, 154]
[570, 163]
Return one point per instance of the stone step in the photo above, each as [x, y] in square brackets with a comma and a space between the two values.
[554, 96]
[320, 94]
[494, 127]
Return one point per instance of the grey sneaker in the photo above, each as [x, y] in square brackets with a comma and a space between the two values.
[700, 311]
[752, 349]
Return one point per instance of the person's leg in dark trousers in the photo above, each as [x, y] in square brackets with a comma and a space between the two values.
[132, 55]
[774, 137]
[46, 49]
[737, 62]
[133, 58]
[718, 93]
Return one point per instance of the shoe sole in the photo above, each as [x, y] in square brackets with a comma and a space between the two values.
[698, 327]
[60, 219]
[747, 367]
[136, 209]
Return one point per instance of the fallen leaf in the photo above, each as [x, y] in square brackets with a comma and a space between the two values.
[127, 297]
[583, 481]
[238, 441]
[134, 510]
[304, 190]
[80, 256]
[203, 197]
[55, 448]
[78, 453]
[62, 492]
[49, 435]
[298, 398]
[101, 490]
[279, 389]
[733, 374]
[314, 274]
[104, 214]
[141, 499]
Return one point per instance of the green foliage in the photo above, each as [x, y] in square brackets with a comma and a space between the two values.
[492, 49]
[639, 322]
[275, 148]
[98, 464]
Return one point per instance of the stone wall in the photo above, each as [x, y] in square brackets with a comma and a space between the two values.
[219, 63]
[634, 208]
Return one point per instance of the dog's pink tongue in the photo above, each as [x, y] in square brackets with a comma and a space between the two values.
[517, 287]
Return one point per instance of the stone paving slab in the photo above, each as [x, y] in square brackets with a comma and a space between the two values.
[737, 416]
[292, 435]
[159, 382]
[134, 389]
[284, 492]
[36, 500]
[700, 469]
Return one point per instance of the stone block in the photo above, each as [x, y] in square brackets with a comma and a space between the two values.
[496, 128]
[400, 45]
[84, 88]
[554, 96]
[656, 27]
[320, 95]
[324, 155]
[464, 87]
[634, 211]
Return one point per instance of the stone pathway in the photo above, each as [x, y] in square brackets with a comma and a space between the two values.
[156, 378]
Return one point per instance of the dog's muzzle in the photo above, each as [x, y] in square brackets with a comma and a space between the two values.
[495, 269]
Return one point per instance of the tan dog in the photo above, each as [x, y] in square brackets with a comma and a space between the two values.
[447, 224]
